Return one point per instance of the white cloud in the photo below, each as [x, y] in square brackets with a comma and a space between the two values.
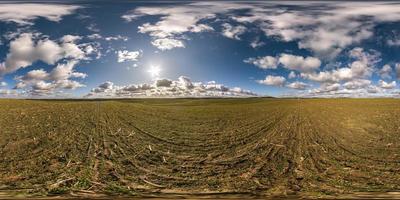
[167, 43]
[298, 85]
[97, 36]
[116, 38]
[65, 71]
[266, 62]
[45, 50]
[201, 28]
[351, 80]
[3, 84]
[69, 84]
[183, 87]
[292, 75]
[93, 27]
[70, 38]
[360, 89]
[273, 80]
[288, 61]
[27, 49]
[357, 84]
[233, 32]
[323, 76]
[298, 63]
[20, 85]
[23, 52]
[25, 13]
[94, 36]
[42, 86]
[125, 55]
[352, 89]
[39, 82]
[341, 74]
[393, 42]
[73, 51]
[92, 50]
[361, 68]
[386, 85]
[257, 43]
[326, 88]
[385, 72]
[9, 93]
[184, 82]
[34, 76]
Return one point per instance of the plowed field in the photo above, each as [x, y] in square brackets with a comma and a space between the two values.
[255, 147]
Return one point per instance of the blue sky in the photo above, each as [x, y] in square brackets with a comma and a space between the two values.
[59, 49]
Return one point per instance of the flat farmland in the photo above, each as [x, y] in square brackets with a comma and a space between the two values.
[154, 147]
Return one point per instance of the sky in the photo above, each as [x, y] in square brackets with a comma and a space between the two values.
[122, 49]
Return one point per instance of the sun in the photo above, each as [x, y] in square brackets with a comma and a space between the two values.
[154, 71]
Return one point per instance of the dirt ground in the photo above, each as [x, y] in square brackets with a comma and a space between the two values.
[200, 148]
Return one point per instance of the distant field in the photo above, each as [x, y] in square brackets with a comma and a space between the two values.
[313, 147]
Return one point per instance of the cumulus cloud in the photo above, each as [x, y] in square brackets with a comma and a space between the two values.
[266, 62]
[273, 80]
[386, 85]
[23, 52]
[34, 75]
[167, 43]
[354, 89]
[393, 42]
[299, 63]
[163, 83]
[357, 84]
[3, 84]
[298, 85]
[201, 28]
[65, 71]
[385, 72]
[27, 49]
[361, 67]
[9, 93]
[288, 61]
[326, 88]
[232, 32]
[25, 13]
[70, 38]
[125, 55]
[39, 82]
[292, 75]
[183, 87]
[257, 43]
[73, 51]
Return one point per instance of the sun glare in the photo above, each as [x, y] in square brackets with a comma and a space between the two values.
[154, 71]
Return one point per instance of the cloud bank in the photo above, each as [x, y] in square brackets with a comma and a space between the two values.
[183, 87]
